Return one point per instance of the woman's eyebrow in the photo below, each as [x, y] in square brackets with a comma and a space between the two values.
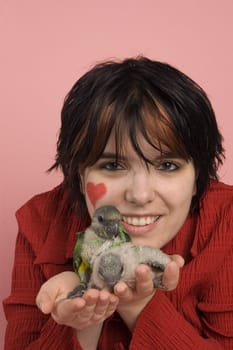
[159, 157]
[167, 154]
[111, 155]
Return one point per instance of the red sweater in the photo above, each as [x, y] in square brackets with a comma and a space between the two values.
[198, 314]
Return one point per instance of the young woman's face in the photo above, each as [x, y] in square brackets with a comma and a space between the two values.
[153, 200]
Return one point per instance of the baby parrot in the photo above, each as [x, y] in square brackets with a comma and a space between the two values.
[105, 255]
[104, 233]
[119, 264]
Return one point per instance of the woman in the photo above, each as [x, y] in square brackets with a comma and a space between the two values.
[141, 136]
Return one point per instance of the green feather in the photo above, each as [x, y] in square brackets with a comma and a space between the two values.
[77, 251]
[82, 252]
[125, 237]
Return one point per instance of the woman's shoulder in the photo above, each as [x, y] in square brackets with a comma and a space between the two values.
[43, 205]
[220, 187]
[215, 225]
[218, 197]
[48, 220]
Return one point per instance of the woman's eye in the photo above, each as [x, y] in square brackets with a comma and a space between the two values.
[168, 166]
[112, 166]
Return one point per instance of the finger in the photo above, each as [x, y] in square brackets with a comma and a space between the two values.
[55, 288]
[99, 305]
[66, 310]
[178, 259]
[96, 302]
[103, 302]
[44, 302]
[106, 304]
[114, 301]
[144, 283]
[171, 275]
[123, 291]
[91, 296]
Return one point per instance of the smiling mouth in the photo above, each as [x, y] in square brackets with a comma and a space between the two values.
[140, 221]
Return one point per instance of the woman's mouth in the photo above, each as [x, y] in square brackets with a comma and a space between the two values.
[140, 221]
[137, 225]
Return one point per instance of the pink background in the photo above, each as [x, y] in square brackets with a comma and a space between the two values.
[46, 45]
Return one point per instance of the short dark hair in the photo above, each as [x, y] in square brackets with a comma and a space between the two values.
[137, 94]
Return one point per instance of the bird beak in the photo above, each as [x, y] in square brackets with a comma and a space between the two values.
[113, 229]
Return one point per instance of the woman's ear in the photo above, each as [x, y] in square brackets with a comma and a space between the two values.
[82, 187]
[194, 188]
[195, 183]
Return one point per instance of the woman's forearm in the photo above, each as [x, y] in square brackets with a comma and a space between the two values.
[89, 337]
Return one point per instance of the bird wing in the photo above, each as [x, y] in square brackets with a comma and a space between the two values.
[77, 258]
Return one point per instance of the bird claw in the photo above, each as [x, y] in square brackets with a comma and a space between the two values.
[76, 292]
[157, 281]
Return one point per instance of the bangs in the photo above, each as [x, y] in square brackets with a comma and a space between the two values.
[129, 124]
[156, 128]
[137, 100]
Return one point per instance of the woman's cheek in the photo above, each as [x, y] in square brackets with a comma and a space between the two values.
[95, 192]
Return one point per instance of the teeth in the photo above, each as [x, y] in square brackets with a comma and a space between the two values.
[140, 221]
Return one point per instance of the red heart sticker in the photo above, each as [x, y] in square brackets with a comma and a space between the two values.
[95, 192]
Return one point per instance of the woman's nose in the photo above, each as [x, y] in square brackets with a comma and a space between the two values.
[140, 190]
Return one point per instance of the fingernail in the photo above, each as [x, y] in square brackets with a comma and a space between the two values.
[113, 299]
[120, 289]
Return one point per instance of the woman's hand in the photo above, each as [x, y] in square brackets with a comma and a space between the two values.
[95, 306]
[132, 302]
[92, 309]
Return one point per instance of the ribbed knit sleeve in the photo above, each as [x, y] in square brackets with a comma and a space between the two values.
[162, 327]
[27, 327]
[198, 314]
[40, 253]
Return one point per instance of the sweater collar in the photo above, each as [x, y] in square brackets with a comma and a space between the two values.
[61, 238]
[63, 233]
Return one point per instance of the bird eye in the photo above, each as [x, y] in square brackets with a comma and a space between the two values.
[100, 218]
